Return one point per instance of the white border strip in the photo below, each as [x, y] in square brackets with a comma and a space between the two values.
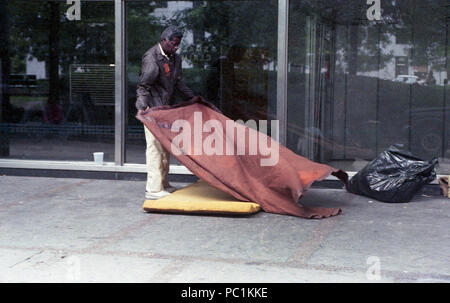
[86, 166]
[111, 167]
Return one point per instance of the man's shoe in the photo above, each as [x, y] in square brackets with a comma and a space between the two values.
[156, 195]
[170, 189]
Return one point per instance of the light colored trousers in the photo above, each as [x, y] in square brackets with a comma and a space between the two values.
[158, 161]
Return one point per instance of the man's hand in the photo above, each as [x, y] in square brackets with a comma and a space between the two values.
[196, 99]
[140, 104]
[142, 111]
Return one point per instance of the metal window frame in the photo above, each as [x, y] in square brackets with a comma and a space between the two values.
[120, 82]
[282, 68]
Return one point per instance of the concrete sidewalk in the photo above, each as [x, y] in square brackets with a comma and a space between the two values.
[84, 230]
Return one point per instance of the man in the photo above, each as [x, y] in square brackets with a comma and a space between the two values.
[160, 76]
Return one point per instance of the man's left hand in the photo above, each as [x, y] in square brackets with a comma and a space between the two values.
[142, 111]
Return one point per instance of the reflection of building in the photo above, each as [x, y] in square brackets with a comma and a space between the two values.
[401, 65]
[35, 67]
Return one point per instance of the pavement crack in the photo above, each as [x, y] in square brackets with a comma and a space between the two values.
[171, 271]
[120, 234]
[313, 243]
[26, 259]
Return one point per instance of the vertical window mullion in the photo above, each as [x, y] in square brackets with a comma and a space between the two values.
[282, 68]
[120, 72]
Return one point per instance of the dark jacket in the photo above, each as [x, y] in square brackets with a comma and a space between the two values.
[159, 78]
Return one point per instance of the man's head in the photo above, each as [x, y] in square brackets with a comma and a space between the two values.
[171, 39]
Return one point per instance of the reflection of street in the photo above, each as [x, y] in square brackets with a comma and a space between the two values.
[57, 149]
[314, 136]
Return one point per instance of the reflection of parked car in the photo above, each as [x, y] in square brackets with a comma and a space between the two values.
[408, 79]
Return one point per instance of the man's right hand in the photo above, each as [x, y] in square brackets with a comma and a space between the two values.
[196, 99]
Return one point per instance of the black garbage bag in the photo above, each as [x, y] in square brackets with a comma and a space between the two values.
[394, 176]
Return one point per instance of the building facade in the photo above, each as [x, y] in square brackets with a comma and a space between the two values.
[345, 79]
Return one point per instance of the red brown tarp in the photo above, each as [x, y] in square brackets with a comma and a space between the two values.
[275, 188]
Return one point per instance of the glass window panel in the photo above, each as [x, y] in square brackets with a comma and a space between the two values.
[57, 71]
[356, 86]
[229, 54]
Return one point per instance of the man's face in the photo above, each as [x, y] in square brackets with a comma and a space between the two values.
[170, 47]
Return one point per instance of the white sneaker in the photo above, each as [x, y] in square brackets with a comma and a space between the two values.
[156, 195]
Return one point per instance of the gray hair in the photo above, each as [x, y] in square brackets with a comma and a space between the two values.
[171, 32]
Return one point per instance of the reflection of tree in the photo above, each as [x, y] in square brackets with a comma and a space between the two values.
[424, 21]
[40, 29]
[143, 29]
[53, 52]
[226, 23]
[239, 86]
[229, 22]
